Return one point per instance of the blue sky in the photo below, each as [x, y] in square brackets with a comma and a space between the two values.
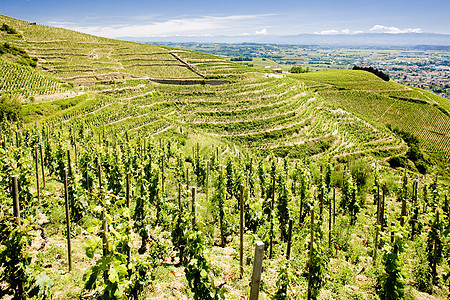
[138, 18]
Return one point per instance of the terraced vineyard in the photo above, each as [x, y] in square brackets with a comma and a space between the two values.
[25, 81]
[419, 112]
[133, 127]
[337, 114]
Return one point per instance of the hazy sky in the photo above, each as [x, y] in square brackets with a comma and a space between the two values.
[139, 18]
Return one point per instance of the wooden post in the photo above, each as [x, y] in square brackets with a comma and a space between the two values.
[69, 164]
[66, 200]
[257, 269]
[180, 207]
[187, 179]
[15, 196]
[329, 223]
[217, 154]
[104, 238]
[270, 218]
[322, 188]
[127, 193]
[100, 178]
[16, 209]
[194, 198]
[382, 207]
[377, 229]
[180, 213]
[392, 232]
[42, 165]
[416, 210]
[334, 205]
[162, 173]
[378, 193]
[436, 229]
[424, 209]
[76, 154]
[311, 249]
[403, 213]
[241, 230]
[37, 174]
[206, 183]
[128, 190]
[289, 242]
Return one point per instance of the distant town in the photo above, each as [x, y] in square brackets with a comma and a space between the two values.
[423, 67]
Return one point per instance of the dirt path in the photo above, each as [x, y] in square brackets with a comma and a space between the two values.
[186, 64]
[57, 96]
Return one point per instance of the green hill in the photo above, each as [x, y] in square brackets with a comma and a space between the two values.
[336, 114]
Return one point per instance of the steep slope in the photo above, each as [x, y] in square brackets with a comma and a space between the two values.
[421, 113]
[335, 113]
[85, 59]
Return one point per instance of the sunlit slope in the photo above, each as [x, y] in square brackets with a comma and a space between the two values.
[18, 80]
[84, 58]
[333, 113]
[78, 57]
[421, 113]
[268, 115]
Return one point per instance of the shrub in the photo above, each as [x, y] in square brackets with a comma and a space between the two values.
[7, 29]
[10, 109]
[373, 70]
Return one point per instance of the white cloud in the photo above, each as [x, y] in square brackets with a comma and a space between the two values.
[395, 30]
[334, 31]
[374, 29]
[205, 25]
[262, 32]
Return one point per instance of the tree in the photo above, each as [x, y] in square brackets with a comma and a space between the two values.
[10, 109]
[296, 69]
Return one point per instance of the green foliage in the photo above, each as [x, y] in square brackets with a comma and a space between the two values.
[25, 59]
[114, 173]
[392, 280]
[218, 202]
[306, 197]
[362, 174]
[422, 272]
[434, 245]
[141, 218]
[10, 109]
[60, 162]
[373, 70]
[414, 152]
[110, 273]
[284, 280]
[197, 269]
[296, 69]
[319, 262]
[17, 277]
[349, 202]
[283, 202]
[77, 199]
[8, 29]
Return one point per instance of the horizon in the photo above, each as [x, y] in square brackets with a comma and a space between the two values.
[200, 18]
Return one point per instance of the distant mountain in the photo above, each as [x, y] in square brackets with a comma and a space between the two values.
[360, 40]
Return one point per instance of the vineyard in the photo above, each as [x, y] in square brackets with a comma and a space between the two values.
[21, 80]
[145, 172]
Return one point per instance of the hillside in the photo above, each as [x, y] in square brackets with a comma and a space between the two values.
[147, 151]
[86, 59]
[285, 115]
